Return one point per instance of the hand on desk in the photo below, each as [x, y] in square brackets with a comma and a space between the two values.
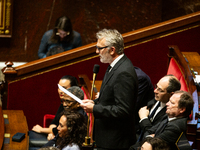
[37, 128]
[88, 105]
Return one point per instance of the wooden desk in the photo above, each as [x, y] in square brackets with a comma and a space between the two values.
[193, 60]
[17, 123]
[1, 128]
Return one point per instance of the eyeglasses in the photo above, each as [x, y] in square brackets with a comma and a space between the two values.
[100, 48]
[63, 34]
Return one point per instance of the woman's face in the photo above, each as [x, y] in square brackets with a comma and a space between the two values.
[65, 84]
[69, 103]
[62, 34]
[62, 128]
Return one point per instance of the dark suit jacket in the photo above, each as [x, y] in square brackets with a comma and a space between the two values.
[114, 109]
[171, 132]
[145, 91]
[146, 124]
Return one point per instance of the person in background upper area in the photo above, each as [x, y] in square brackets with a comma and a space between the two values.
[62, 35]
[55, 50]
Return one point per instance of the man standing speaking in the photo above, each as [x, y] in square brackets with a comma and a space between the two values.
[114, 109]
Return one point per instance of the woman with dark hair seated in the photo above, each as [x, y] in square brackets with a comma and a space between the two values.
[71, 131]
[62, 35]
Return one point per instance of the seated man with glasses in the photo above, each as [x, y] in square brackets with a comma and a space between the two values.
[152, 114]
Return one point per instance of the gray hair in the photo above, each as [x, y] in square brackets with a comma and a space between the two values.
[76, 91]
[113, 38]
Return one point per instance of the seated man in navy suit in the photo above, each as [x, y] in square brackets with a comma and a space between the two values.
[145, 92]
[152, 113]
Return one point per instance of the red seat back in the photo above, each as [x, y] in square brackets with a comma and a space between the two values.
[175, 70]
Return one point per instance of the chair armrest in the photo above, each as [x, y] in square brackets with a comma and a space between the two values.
[47, 116]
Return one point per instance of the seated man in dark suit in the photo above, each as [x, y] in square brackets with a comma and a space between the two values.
[145, 92]
[179, 108]
[174, 122]
[151, 114]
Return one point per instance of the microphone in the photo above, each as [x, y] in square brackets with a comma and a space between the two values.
[96, 68]
[95, 71]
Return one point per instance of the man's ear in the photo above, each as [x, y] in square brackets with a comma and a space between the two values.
[171, 94]
[112, 50]
[182, 110]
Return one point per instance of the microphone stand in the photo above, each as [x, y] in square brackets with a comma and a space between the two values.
[88, 138]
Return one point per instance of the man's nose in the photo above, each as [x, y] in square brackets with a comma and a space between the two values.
[64, 104]
[97, 51]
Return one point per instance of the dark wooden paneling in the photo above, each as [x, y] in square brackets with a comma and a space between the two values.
[32, 18]
[176, 8]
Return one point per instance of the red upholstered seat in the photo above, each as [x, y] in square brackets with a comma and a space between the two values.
[175, 70]
[90, 115]
[48, 117]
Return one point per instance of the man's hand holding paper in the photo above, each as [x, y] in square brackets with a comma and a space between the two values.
[87, 105]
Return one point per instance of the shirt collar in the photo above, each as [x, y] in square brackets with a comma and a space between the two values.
[170, 119]
[116, 60]
[162, 104]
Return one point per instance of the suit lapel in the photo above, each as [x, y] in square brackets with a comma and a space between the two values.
[151, 103]
[160, 114]
[111, 73]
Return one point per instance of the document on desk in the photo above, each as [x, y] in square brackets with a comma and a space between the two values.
[70, 94]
